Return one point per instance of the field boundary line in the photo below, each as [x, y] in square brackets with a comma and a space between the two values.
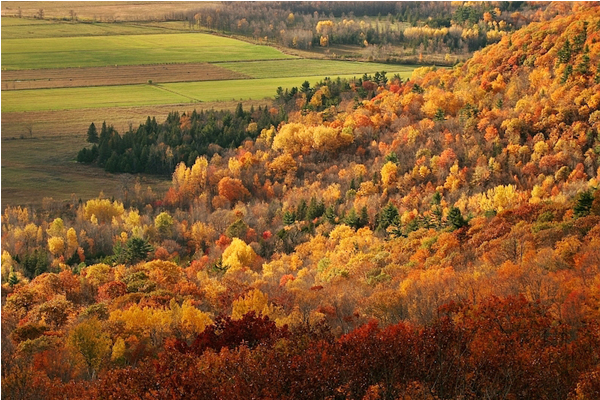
[177, 93]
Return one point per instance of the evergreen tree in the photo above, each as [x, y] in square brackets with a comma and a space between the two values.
[352, 219]
[330, 214]
[315, 209]
[13, 279]
[301, 210]
[289, 217]
[583, 204]
[388, 216]
[364, 216]
[137, 249]
[456, 219]
[92, 134]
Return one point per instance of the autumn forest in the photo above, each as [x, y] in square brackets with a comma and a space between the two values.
[436, 237]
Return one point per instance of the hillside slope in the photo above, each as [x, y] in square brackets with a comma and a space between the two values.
[435, 238]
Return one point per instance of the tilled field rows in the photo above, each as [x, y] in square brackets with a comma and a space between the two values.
[115, 75]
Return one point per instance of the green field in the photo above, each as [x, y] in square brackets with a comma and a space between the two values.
[97, 51]
[166, 93]
[310, 67]
[88, 97]
[30, 29]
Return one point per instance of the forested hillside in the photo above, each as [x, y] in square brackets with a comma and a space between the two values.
[385, 31]
[431, 238]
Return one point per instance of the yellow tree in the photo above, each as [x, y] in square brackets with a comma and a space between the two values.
[238, 255]
[256, 301]
[88, 341]
[389, 174]
[103, 210]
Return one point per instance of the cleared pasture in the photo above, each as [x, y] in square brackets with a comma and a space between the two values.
[33, 29]
[106, 76]
[104, 10]
[310, 67]
[88, 97]
[99, 51]
[36, 168]
[144, 95]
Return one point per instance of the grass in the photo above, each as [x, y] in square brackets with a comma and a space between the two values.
[95, 51]
[36, 168]
[105, 10]
[310, 67]
[88, 97]
[143, 95]
[30, 29]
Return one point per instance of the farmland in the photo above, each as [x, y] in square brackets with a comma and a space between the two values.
[96, 51]
[106, 76]
[59, 76]
[144, 95]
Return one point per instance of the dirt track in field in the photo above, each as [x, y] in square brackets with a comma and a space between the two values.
[114, 75]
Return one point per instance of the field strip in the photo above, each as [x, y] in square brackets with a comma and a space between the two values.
[76, 121]
[143, 95]
[312, 67]
[121, 75]
[87, 97]
[58, 29]
[99, 51]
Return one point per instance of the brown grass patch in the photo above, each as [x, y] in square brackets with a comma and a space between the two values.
[104, 10]
[114, 75]
[37, 124]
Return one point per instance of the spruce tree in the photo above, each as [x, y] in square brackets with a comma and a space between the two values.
[92, 134]
[583, 204]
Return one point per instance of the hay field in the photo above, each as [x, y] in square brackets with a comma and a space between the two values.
[123, 75]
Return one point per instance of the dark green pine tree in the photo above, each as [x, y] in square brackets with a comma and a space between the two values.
[352, 219]
[364, 216]
[330, 214]
[137, 249]
[289, 217]
[92, 134]
[455, 219]
[13, 279]
[315, 209]
[388, 216]
[583, 205]
[301, 210]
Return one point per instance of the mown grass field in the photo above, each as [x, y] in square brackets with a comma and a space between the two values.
[98, 51]
[105, 10]
[311, 67]
[110, 76]
[144, 95]
[43, 129]
[18, 28]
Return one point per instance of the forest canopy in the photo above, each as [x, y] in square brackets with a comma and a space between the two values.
[437, 237]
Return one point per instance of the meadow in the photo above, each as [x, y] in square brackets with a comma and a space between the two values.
[59, 76]
[97, 51]
[310, 67]
[18, 28]
[155, 94]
